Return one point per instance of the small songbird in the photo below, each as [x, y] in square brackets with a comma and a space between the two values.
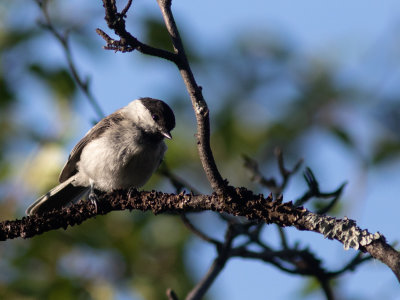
[121, 151]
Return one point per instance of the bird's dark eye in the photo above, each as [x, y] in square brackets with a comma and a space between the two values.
[155, 117]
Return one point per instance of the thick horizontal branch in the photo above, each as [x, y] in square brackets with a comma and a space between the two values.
[240, 202]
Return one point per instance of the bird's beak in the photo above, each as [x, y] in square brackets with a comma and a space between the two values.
[167, 134]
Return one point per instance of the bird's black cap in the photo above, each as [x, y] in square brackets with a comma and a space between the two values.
[161, 113]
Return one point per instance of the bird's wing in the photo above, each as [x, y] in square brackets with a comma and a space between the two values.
[70, 167]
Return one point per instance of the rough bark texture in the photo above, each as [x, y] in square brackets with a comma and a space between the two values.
[240, 202]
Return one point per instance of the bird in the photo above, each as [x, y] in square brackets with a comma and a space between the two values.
[121, 151]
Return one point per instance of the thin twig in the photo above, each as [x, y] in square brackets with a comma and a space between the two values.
[218, 264]
[64, 42]
[268, 256]
[171, 295]
[283, 238]
[358, 259]
[201, 288]
[256, 175]
[314, 191]
[286, 174]
[336, 196]
[177, 181]
[125, 10]
[127, 42]
[302, 262]
[326, 287]
[198, 232]
[271, 183]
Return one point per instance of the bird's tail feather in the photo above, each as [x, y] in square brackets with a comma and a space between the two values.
[57, 197]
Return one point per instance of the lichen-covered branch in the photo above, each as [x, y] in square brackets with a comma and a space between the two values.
[241, 202]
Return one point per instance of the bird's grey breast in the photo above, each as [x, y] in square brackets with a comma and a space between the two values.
[138, 152]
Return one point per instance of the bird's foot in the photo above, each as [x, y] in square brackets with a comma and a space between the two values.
[132, 190]
[93, 199]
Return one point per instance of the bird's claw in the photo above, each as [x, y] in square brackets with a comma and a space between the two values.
[93, 199]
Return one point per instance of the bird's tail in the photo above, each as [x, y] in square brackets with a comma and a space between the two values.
[57, 197]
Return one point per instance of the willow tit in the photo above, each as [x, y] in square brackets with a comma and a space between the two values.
[121, 151]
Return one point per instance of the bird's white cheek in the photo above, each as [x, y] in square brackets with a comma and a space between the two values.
[139, 114]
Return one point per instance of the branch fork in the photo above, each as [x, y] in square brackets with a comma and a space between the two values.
[128, 43]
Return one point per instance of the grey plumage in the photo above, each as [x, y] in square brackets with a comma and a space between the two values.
[70, 168]
[57, 197]
[121, 151]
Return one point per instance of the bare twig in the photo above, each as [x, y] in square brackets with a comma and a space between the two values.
[64, 42]
[258, 177]
[336, 196]
[201, 288]
[301, 262]
[358, 259]
[171, 295]
[292, 261]
[177, 181]
[286, 174]
[314, 191]
[127, 41]
[326, 287]
[125, 10]
[198, 232]
[271, 183]
[219, 262]
[282, 236]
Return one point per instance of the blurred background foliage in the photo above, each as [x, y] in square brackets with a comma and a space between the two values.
[262, 95]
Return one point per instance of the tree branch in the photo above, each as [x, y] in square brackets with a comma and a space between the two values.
[199, 104]
[241, 202]
[218, 264]
[171, 295]
[127, 42]
[386, 254]
[271, 183]
[198, 232]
